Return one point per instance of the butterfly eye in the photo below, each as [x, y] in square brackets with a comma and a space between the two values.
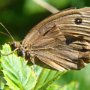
[13, 45]
[78, 21]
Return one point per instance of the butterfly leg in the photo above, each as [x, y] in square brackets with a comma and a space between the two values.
[32, 59]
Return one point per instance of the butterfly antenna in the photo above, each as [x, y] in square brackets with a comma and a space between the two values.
[4, 33]
[7, 31]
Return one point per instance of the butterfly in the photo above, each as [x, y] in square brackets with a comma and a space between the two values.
[60, 42]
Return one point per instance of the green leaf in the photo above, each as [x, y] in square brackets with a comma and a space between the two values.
[17, 73]
[46, 78]
[20, 76]
[72, 86]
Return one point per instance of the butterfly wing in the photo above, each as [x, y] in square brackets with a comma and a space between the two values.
[53, 51]
[59, 42]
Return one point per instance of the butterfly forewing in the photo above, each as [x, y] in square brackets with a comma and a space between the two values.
[62, 40]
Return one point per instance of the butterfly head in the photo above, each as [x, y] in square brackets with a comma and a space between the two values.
[21, 51]
[15, 45]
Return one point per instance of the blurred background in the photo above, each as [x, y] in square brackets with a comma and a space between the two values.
[19, 16]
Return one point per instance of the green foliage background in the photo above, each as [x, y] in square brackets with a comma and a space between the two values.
[19, 16]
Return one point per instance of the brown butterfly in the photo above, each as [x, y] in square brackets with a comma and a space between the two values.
[61, 42]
